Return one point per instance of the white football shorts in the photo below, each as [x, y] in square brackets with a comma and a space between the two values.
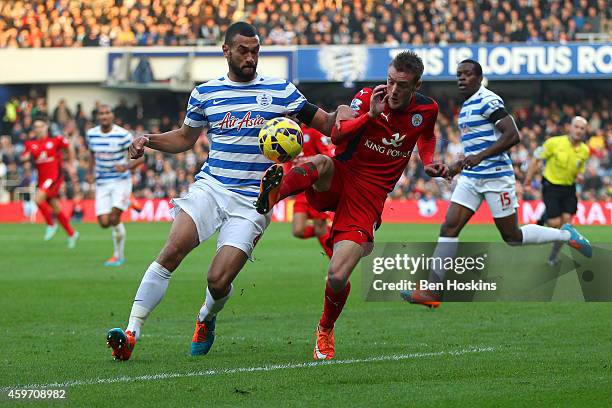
[113, 194]
[499, 193]
[212, 207]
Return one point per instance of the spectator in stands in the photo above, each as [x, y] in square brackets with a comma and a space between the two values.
[61, 114]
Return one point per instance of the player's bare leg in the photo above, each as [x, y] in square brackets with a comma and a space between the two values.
[509, 229]
[73, 235]
[113, 220]
[47, 212]
[554, 222]
[183, 238]
[456, 218]
[318, 171]
[346, 256]
[300, 228]
[104, 220]
[225, 266]
[319, 229]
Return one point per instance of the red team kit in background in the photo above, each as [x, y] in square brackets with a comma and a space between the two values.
[315, 143]
[48, 158]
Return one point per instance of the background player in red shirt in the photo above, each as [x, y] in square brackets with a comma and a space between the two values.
[315, 143]
[373, 151]
[47, 154]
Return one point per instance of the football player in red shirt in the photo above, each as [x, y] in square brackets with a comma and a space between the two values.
[373, 150]
[47, 154]
[315, 143]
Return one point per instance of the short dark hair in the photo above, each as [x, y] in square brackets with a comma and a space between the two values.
[476, 64]
[105, 106]
[408, 61]
[239, 28]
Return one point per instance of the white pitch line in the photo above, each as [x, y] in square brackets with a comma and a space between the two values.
[266, 368]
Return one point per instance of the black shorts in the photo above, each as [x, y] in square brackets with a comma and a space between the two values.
[559, 199]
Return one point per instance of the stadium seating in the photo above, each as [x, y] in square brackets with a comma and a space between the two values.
[188, 22]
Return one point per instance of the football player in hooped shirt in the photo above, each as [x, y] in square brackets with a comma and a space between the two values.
[46, 151]
[373, 151]
[233, 108]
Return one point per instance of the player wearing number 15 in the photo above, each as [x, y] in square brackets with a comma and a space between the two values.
[487, 133]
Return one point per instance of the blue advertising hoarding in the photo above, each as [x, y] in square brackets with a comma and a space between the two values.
[499, 62]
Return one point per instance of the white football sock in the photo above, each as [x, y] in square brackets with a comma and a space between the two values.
[119, 240]
[213, 306]
[446, 248]
[537, 234]
[150, 292]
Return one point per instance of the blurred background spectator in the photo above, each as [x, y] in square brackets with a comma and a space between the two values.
[90, 23]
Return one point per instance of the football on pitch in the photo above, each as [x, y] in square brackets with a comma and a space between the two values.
[281, 139]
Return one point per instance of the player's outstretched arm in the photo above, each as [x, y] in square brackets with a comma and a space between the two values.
[510, 137]
[426, 144]
[174, 141]
[348, 128]
[325, 122]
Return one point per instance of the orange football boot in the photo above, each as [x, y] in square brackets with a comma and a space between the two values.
[114, 261]
[324, 346]
[422, 297]
[121, 342]
[269, 189]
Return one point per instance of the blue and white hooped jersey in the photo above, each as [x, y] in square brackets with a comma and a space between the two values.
[478, 132]
[234, 112]
[109, 149]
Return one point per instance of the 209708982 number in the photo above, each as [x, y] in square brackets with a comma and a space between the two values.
[35, 394]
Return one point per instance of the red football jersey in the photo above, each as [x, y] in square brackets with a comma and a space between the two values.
[47, 154]
[380, 152]
[315, 142]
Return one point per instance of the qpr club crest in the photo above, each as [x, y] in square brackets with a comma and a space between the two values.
[417, 119]
[264, 100]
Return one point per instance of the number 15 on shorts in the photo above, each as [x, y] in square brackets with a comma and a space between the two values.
[505, 199]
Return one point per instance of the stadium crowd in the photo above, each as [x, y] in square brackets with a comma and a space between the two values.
[170, 175]
[90, 23]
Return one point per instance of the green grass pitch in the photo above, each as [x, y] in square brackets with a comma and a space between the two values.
[56, 306]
